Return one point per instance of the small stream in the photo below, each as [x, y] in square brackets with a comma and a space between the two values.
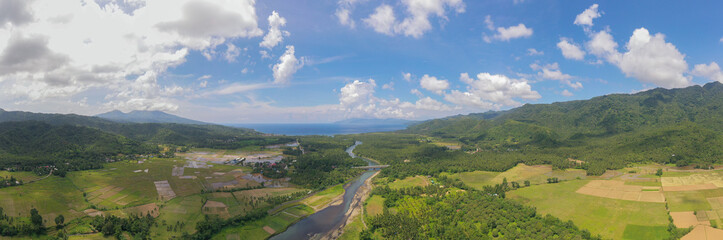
[330, 217]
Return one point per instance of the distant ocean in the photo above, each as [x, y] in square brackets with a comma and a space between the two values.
[320, 128]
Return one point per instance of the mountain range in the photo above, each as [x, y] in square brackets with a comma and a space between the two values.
[146, 117]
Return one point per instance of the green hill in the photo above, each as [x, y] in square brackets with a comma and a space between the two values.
[681, 126]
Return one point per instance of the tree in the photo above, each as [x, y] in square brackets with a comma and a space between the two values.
[659, 172]
[35, 217]
[59, 220]
[527, 183]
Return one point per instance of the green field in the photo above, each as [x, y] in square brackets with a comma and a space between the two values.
[476, 179]
[691, 200]
[644, 183]
[24, 176]
[519, 173]
[374, 205]
[51, 196]
[608, 217]
[180, 209]
[409, 182]
[635, 232]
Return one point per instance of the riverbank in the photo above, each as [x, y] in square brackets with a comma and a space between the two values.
[355, 209]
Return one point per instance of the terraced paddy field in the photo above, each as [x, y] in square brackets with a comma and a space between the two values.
[51, 196]
[611, 218]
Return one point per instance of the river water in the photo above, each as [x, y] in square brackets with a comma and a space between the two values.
[330, 217]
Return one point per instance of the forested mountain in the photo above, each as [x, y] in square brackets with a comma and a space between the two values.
[681, 126]
[146, 117]
[28, 144]
[167, 133]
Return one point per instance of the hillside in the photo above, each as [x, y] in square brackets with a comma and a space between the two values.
[25, 145]
[681, 126]
[161, 133]
[146, 117]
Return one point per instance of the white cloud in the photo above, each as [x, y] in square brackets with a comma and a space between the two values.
[433, 84]
[721, 39]
[490, 91]
[567, 93]
[407, 76]
[552, 72]
[488, 23]
[203, 84]
[388, 86]
[586, 17]
[603, 46]
[275, 34]
[416, 92]
[357, 99]
[711, 71]
[119, 48]
[570, 50]
[426, 103]
[512, 32]
[344, 10]
[264, 54]
[232, 52]
[382, 20]
[417, 22]
[204, 77]
[651, 59]
[287, 66]
[534, 52]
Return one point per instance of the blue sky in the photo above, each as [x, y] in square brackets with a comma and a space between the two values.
[321, 61]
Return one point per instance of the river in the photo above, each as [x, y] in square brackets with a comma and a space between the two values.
[331, 217]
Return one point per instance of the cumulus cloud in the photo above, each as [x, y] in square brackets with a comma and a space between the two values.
[492, 91]
[433, 84]
[416, 92]
[275, 34]
[711, 71]
[552, 72]
[534, 52]
[287, 66]
[586, 17]
[383, 20]
[506, 34]
[489, 23]
[651, 59]
[648, 58]
[60, 48]
[570, 50]
[357, 99]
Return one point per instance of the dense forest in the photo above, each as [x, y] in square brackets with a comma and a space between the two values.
[443, 212]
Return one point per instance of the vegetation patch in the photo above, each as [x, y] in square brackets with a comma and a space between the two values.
[374, 205]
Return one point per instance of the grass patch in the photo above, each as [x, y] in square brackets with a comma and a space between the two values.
[476, 179]
[374, 205]
[604, 216]
[644, 183]
[409, 182]
[324, 197]
[677, 174]
[254, 230]
[687, 201]
[180, 209]
[352, 230]
[633, 232]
